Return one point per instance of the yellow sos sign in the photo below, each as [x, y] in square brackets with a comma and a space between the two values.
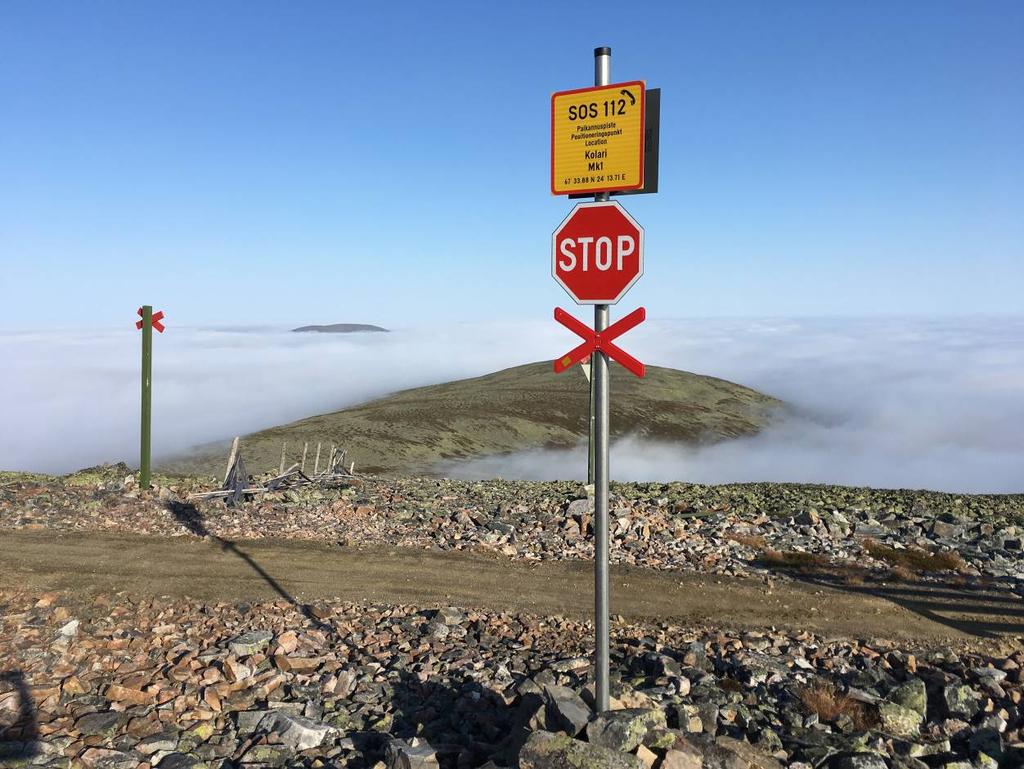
[597, 139]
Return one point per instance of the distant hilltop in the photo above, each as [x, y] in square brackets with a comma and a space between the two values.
[421, 431]
[341, 328]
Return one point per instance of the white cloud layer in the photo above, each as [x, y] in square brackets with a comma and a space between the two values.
[893, 403]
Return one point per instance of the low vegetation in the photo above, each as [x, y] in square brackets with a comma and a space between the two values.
[914, 560]
[825, 700]
[794, 559]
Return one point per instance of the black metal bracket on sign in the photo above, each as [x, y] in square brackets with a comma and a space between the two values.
[652, 130]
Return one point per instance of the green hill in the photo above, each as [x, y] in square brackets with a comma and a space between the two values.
[520, 408]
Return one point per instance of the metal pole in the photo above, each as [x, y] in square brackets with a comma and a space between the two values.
[599, 373]
[147, 394]
[590, 443]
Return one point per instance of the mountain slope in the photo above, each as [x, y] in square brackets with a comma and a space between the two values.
[519, 408]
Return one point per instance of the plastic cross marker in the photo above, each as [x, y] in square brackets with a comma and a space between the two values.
[601, 342]
[157, 317]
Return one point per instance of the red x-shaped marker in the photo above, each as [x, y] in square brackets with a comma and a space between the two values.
[157, 317]
[601, 342]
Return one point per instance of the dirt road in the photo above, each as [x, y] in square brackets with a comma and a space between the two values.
[86, 563]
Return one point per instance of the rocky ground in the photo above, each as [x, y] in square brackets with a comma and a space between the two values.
[118, 683]
[128, 681]
[728, 529]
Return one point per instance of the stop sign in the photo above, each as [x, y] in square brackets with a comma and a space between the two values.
[597, 253]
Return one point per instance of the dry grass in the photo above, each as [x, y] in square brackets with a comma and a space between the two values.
[754, 541]
[902, 574]
[793, 559]
[854, 576]
[825, 699]
[914, 560]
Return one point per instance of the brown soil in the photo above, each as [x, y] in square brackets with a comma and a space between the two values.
[87, 563]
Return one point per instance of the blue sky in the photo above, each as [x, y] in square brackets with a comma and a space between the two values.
[308, 162]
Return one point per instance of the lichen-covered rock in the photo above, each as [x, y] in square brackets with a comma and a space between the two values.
[267, 755]
[549, 750]
[911, 694]
[863, 760]
[250, 643]
[729, 753]
[624, 729]
[960, 701]
[898, 720]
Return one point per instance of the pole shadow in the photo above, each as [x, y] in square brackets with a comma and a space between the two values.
[191, 519]
[19, 729]
[974, 607]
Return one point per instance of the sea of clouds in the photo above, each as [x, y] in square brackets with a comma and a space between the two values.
[915, 403]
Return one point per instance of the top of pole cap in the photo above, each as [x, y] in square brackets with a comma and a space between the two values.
[603, 50]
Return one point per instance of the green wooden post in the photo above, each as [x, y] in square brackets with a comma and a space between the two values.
[147, 394]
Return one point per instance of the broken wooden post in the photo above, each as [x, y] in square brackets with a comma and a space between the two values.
[236, 480]
[316, 462]
[232, 455]
[305, 448]
[284, 446]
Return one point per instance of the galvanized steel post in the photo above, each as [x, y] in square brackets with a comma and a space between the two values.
[599, 373]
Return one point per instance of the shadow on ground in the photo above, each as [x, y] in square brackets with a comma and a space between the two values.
[465, 722]
[963, 604]
[190, 517]
[19, 731]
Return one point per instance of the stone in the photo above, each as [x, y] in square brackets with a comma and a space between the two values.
[960, 701]
[898, 720]
[401, 755]
[116, 693]
[250, 643]
[911, 694]
[177, 761]
[987, 741]
[235, 671]
[808, 518]
[624, 729]
[101, 758]
[728, 753]
[647, 756]
[267, 755]
[580, 507]
[297, 732]
[682, 759]
[102, 723]
[69, 630]
[157, 743]
[857, 761]
[297, 664]
[450, 615]
[566, 710]
[436, 630]
[944, 530]
[549, 750]
[681, 754]
[248, 721]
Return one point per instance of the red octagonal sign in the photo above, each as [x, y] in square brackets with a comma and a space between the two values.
[597, 253]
